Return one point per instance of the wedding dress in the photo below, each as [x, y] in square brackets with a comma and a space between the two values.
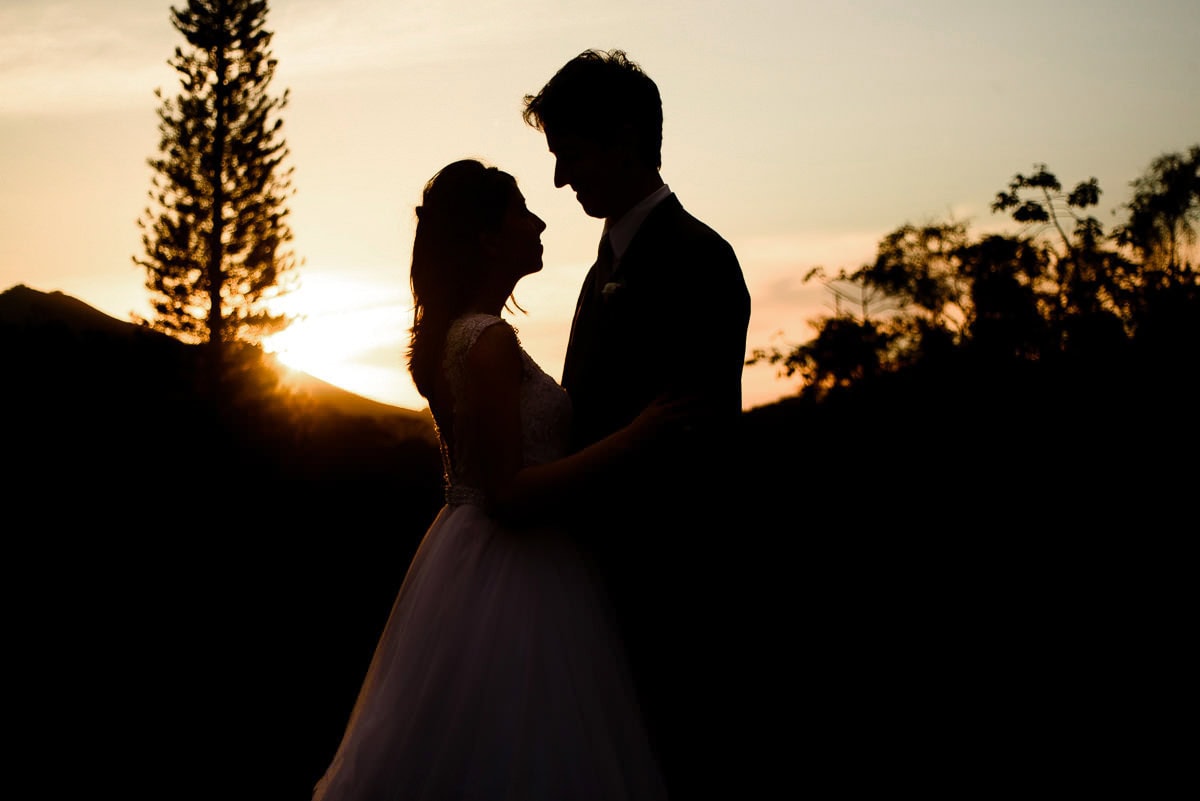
[499, 674]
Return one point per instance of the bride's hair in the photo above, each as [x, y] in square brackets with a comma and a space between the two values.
[462, 202]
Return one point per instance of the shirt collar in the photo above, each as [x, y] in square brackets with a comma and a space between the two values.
[620, 232]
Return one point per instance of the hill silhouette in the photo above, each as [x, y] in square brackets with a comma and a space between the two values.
[87, 392]
[34, 313]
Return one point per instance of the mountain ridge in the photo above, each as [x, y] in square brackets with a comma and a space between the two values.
[23, 306]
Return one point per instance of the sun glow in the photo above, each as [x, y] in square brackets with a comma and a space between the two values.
[350, 334]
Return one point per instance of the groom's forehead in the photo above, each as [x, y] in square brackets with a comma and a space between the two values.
[573, 145]
[561, 143]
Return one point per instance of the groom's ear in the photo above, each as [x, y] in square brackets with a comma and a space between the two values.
[626, 145]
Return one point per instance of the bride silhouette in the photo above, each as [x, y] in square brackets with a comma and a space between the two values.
[499, 673]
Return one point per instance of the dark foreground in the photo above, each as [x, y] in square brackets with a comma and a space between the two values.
[908, 657]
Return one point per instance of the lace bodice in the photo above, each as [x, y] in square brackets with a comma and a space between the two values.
[545, 412]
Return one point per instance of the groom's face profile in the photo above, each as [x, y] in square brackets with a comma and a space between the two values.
[594, 170]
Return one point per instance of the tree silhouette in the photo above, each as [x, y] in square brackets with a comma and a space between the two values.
[216, 246]
[1161, 230]
[914, 303]
[1060, 293]
[1008, 318]
[848, 347]
[1164, 213]
[1089, 288]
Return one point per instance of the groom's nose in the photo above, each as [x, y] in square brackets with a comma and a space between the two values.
[561, 178]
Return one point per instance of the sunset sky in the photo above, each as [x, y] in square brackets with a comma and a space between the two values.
[802, 131]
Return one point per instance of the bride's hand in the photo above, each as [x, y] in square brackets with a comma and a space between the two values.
[670, 415]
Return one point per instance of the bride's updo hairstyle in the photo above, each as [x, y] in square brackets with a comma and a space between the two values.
[462, 202]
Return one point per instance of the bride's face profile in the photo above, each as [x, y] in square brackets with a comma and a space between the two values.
[518, 242]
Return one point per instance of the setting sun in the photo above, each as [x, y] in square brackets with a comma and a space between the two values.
[349, 333]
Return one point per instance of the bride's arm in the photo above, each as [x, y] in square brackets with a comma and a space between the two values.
[491, 414]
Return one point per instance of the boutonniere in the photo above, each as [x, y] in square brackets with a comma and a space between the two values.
[611, 288]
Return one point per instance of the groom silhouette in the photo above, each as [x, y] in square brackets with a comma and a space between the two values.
[664, 310]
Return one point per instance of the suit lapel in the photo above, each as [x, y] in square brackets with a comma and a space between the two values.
[586, 325]
[582, 327]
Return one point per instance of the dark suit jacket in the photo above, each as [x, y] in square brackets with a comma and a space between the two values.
[676, 322]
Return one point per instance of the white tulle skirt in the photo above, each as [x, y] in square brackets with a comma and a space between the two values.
[498, 676]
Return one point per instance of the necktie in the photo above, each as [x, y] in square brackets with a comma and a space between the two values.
[604, 263]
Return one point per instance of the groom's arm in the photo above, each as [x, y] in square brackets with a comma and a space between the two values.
[706, 316]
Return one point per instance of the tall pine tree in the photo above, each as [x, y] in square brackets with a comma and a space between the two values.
[216, 247]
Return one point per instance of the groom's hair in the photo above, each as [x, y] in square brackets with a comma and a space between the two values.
[594, 96]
